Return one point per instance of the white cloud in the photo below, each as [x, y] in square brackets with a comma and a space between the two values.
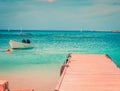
[106, 2]
[46, 1]
[99, 10]
[50, 0]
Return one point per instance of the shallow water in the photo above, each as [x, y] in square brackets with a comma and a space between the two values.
[39, 67]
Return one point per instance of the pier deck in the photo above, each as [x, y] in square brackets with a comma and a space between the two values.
[89, 72]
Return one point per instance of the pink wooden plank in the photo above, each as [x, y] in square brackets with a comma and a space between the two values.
[3, 85]
[21, 90]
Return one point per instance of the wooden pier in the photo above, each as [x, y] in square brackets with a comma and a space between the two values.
[89, 72]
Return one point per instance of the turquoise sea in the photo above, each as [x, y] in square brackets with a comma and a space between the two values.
[50, 52]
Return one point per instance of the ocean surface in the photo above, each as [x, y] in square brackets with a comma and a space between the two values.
[39, 67]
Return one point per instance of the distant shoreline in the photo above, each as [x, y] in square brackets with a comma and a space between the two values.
[64, 30]
[115, 30]
[106, 31]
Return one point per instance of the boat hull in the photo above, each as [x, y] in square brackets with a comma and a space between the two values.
[19, 45]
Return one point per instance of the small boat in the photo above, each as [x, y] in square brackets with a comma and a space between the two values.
[20, 45]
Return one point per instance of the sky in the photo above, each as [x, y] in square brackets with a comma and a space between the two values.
[60, 14]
